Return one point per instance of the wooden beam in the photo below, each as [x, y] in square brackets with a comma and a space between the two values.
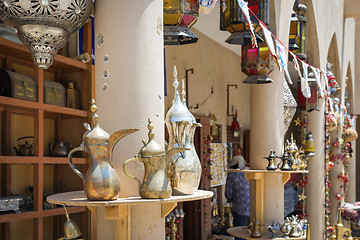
[166, 208]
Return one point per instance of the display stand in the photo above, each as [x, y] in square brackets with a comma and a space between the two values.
[243, 232]
[119, 210]
[256, 180]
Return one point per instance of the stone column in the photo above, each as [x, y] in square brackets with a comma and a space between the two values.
[351, 191]
[267, 132]
[315, 188]
[129, 89]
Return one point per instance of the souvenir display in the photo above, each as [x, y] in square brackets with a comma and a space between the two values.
[54, 93]
[99, 145]
[155, 159]
[339, 231]
[72, 96]
[25, 148]
[271, 158]
[254, 228]
[286, 162]
[184, 168]
[273, 228]
[17, 85]
[10, 204]
[59, 150]
[219, 158]
[294, 227]
[45, 26]
[71, 229]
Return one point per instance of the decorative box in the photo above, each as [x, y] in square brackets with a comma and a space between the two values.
[17, 85]
[10, 204]
[54, 93]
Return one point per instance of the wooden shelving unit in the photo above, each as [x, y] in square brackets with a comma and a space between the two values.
[13, 54]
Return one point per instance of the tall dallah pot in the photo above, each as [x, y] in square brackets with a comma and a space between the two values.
[184, 169]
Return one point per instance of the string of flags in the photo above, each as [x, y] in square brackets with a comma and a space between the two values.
[280, 56]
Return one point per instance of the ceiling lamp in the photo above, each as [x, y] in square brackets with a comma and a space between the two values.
[300, 10]
[45, 26]
[179, 16]
[233, 20]
[257, 63]
[294, 33]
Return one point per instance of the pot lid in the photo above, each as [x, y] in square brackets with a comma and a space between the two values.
[151, 148]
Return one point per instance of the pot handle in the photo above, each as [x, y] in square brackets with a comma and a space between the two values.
[70, 155]
[128, 174]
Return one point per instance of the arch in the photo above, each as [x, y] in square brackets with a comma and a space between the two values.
[333, 57]
[312, 39]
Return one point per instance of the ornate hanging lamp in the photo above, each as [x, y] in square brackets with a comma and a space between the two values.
[179, 16]
[257, 63]
[300, 10]
[45, 26]
[233, 21]
[294, 34]
[289, 106]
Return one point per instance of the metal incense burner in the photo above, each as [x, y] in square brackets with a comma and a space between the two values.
[101, 181]
[184, 168]
[45, 26]
[155, 158]
[271, 158]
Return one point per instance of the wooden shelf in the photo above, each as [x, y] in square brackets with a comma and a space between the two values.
[22, 52]
[39, 214]
[242, 232]
[266, 171]
[23, 104]
[37, 160]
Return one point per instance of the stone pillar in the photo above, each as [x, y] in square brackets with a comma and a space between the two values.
[351, 191]
[315, 188]
[267, 132]
[129, 89]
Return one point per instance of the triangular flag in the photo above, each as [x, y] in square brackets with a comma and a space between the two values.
[245, 10]
[268, 39]
[327, 90]
[305, 88]
[318, 83]
[296, 64]
[282, 54]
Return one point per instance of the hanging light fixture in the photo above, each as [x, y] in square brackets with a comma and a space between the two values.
[179, 16]
[45, 26]
[289, 106]
[312, 103]
[300, 10]
[294, 37]
[233, 21]
[257, 63]
[309, 146]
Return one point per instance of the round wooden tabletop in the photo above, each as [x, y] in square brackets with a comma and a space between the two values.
[243, 232]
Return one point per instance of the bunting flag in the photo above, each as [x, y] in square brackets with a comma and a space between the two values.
[282, 54]
[318, 83]
[331, 104]
[245, 10]
[326, 80]
[305, 88]
[296, 64]
[269, 41]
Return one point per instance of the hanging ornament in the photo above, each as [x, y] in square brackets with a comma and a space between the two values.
[235, 126]
[45, 26]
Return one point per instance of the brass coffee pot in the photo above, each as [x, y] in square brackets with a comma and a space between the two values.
[101, 181]
[286, 162]
[155, 159]
[254, 229]
[271, 158]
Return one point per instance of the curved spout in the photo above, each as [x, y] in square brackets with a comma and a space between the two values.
[115, 138]
[172, 152]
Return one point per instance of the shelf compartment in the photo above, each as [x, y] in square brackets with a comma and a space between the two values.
[38, 214]
[20, 51]
[38, 160]
[64, 160]
[23, 104]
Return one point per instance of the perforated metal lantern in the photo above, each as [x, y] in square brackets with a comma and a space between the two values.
[300, 10]
[289, 106]
[179, 16]
[44, 26]
[294, 34]
[257, 63]
[233, 21]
